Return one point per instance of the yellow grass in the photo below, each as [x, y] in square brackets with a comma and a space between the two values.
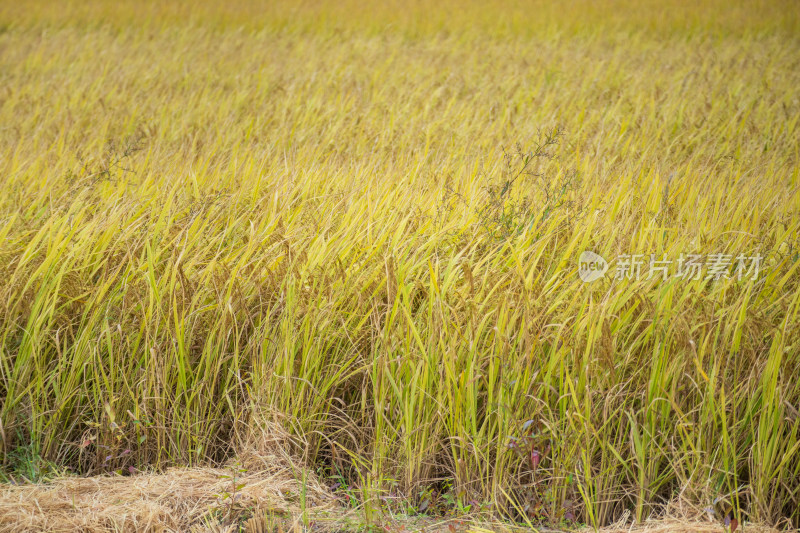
[221, 217]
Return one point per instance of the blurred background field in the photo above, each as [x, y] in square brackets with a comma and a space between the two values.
[357, 228]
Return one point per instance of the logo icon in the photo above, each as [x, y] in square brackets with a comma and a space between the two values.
[591, 267]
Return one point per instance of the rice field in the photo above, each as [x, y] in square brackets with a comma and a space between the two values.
[362, 227]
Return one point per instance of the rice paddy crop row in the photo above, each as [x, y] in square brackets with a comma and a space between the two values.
[216, 218]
